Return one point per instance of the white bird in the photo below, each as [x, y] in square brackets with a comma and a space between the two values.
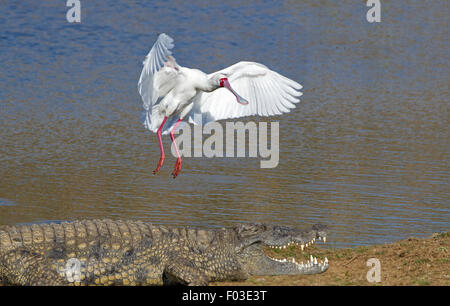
[172, 93]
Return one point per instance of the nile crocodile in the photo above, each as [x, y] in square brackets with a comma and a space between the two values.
[107, 252]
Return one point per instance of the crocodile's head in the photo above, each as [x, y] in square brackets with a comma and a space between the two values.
[253, 237]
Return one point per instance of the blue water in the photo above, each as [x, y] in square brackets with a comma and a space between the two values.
[4, 202]
[365, 152]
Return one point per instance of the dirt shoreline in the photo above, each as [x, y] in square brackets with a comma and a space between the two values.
[412, 261]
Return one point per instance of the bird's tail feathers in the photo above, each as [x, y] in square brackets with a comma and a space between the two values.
[153, 119]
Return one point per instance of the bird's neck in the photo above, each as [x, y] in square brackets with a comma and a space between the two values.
[207, 85]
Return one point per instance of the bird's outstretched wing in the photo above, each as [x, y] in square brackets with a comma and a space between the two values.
[268, 93]
[158, 76]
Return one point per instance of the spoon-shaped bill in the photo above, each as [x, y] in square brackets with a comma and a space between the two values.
[224, 83]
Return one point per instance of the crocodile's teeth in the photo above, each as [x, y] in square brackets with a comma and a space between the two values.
[315, 260]
[324, 239]
[302, 246]
[311, 258]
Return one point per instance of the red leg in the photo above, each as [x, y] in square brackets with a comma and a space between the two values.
[178, 163]
[161, 159]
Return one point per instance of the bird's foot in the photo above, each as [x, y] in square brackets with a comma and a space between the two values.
[161, 161]
[177, 169]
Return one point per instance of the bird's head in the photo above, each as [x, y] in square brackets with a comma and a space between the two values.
[216, 79]
[221, 80]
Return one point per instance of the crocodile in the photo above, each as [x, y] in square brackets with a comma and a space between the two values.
[114, 252]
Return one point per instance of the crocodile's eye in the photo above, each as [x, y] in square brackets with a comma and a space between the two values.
[246, 230]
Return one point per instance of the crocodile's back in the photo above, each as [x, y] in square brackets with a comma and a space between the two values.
[73, 234]
[79, 252]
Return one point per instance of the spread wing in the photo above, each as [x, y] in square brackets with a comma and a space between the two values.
[158, 77]
[268, 93]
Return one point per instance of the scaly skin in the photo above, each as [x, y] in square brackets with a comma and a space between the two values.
[107, 252]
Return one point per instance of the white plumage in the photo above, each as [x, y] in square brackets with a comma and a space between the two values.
[171, 93]
[268, 93]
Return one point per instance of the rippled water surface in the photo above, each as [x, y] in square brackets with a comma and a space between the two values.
[366, 151]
